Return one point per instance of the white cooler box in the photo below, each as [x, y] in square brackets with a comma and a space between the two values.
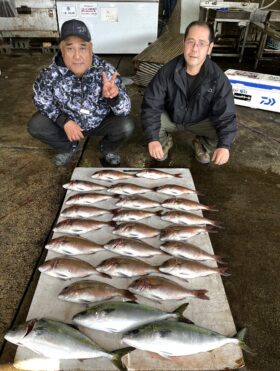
[255, 90]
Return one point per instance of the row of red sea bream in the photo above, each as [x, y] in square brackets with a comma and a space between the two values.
[142, 326]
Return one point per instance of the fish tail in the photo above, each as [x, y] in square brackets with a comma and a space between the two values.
[222, 271]
[112, 224]
[210, 228]
[219, 259]
[178, 175]
[211, 208]
[217, 224]
[117, 357]
[201, 294]
[159, 213]
[240, 337]
[180, 311]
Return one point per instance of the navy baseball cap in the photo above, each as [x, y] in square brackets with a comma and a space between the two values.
[74, 27]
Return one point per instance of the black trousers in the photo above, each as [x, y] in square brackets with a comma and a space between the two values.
[115, 130]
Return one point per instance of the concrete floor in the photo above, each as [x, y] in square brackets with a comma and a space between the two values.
[246, 192]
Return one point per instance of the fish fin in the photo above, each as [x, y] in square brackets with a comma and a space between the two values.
[240, 337]
[105, 275]
[117, 357]
[201, 294]
[222, 271]
[128, 295]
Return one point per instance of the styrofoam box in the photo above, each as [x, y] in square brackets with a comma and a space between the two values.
[255, 90]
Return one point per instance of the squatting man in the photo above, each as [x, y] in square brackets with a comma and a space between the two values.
[191, 93]
[80, 95]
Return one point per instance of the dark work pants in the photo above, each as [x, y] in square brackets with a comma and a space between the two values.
[115, 130]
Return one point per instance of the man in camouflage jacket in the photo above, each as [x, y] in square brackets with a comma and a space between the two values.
[80, 95]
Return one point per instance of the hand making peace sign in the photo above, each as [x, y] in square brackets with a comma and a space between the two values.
[110, 89]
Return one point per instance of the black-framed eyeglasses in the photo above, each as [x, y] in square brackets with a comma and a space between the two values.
[200, 44]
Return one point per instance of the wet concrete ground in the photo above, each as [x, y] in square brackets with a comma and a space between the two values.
[246, 192]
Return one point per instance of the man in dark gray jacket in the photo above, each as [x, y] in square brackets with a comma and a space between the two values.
[80, 95]
[191, 93]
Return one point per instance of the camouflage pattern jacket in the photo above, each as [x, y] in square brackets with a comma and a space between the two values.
[61, 96]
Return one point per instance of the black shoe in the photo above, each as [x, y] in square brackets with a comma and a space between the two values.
[62, 159]
[111, 159]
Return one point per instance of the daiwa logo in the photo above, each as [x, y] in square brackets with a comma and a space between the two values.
[268, 101]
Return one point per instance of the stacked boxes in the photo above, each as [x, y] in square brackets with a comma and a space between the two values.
[255, 90]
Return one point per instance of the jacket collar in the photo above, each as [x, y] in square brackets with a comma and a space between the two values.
[200, 77]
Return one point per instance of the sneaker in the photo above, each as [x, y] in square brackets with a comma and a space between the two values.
[62, 159]
[201, 155]
[166, 147]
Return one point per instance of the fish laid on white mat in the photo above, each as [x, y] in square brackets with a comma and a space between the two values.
[111, 175]
[161, 289]
[127, 215]
[189, 269]
[127, 189]
[83, 186]
[90, 291]
[71, 245]
[174, 339]
[67, 268]
[125, 267]
[188, 251]
[87, 198]
[118, 317]
[136, 230]
[156, 174]
[83, 211]
[80, 226]
[55, 339]
[137, 203]
[183, 217]
[183, 204]
[175, 190]
[131, 247]
[182, 233]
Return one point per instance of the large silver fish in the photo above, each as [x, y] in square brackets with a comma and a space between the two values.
[80, 226]
[89, 291]
[159, 288]
[111, 175]
[83, 186]
[87, 198]
[54, 339]
[156, 174]
[83, 211]
[173, 339]
[180, 233]
[137, 203]
[175, 190]
[117, 317]
[180, 217]
[67, 268]
[126, 215]
[189, 269]
[134, 248]
[125, 267]
[73, 246]
[188, 251]
[183, 204]
[136, 230]
[127, 189]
